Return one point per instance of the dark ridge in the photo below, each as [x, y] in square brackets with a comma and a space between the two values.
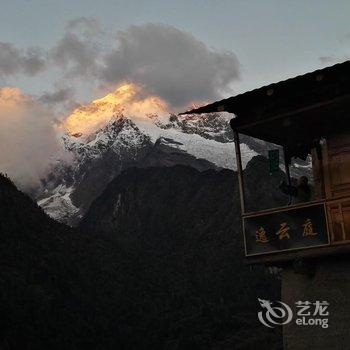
[184, 227]
[156, 264]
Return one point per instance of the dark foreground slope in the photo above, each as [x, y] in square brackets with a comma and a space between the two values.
[190, 288]
[36, 275]
[157, 265]
[49, 279]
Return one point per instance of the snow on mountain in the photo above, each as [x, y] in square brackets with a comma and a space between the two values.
[198, 139]
[58, 204]
[112, 134]
[191, 134]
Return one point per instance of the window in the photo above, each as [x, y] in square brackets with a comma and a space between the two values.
[266, 182]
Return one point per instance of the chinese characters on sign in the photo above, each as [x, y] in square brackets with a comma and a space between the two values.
[308, 228]
[283, 232]
[291, 228]
[261, 235]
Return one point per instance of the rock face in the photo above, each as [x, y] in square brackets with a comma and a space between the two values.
[203, 143]
[184, 228]
[178, 197]
[121, 203]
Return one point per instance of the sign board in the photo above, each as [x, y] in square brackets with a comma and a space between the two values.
[286, 229]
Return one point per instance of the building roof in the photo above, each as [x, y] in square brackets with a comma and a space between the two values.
[294, 113]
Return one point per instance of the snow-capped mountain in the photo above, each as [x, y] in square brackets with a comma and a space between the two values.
[103, 140]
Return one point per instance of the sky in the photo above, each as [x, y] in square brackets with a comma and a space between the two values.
[272, 39]
[57, 55]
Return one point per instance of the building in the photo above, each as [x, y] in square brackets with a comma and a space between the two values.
[305, 122]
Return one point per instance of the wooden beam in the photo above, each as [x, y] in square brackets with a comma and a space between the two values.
[286, 166]
[310, 253]
[290, 113]
[239, 171]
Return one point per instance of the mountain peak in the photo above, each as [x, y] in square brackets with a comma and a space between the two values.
[128, 100]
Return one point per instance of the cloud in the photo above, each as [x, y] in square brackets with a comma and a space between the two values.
[28, 138]
[330, 60]
[14, 61]
[171, 63]
[340, 54]
[61, 100]
[86, 26]
[327, 59]
[77, 52]
[57, 96]
[76, 56]
[166, 61]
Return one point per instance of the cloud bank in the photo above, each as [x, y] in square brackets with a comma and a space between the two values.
[77, 52]
[57, 96]
[16, 61]
[166, 61]
[28, 139]
[171, 63]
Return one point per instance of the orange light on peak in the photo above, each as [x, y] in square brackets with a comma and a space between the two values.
[129, 100]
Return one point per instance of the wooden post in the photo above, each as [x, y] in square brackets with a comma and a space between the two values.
[239, 171]
[286, 166]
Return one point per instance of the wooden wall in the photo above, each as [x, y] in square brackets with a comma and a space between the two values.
[336, 176]
[337, 167]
